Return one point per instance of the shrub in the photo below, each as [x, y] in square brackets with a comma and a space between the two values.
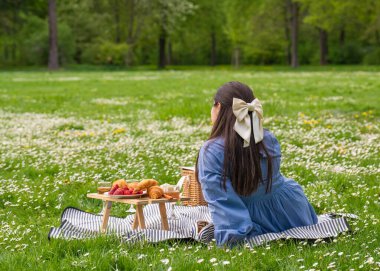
[372, 57]
[105, 53]
[350, 53]
[35, 46]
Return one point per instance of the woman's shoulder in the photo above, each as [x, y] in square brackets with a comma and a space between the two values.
[211, 154]
[215, 144]
[269, 136]
[213, 148]
[271, 144]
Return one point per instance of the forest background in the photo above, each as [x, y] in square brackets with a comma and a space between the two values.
[128, 33]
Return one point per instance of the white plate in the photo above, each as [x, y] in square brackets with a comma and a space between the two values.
[134, 196]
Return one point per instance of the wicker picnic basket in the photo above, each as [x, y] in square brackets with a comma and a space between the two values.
[191, 188]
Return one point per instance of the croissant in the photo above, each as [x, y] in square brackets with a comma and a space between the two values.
[155, 192]
[145, 184]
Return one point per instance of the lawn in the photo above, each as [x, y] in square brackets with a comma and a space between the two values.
[63, 132]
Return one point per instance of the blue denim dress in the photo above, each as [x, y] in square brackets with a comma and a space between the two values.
[238, 217]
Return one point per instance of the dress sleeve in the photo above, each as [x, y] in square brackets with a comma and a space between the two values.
[229, 214]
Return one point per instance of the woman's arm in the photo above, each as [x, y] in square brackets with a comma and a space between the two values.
[230, 216]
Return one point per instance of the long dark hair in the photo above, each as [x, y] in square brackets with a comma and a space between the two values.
[241, 165]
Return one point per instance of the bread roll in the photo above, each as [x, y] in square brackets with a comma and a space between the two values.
[155, 192]
[133, 185]
[145, 184]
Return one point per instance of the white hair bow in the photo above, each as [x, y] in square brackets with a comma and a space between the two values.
[243, 123]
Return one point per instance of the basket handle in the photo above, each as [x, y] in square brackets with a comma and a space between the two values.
[186, 182]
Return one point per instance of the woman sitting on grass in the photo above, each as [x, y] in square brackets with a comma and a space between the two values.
[239, 171]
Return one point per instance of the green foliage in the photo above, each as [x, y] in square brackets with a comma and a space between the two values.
[35, 48]
[105, 53]
[243, 31]
[349, 53]
[265, 42]
[372, 57]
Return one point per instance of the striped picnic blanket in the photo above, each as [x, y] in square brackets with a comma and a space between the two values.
[78, 224]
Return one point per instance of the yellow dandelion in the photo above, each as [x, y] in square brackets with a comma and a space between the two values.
[118, 131]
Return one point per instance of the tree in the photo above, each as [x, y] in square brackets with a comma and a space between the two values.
[333, 15]
[135, 15]
[265, 42]
[237, 26]
[13, 14]
[293, 22]
[53, 36]
[210, 18]
[372, 32]
[168, 15]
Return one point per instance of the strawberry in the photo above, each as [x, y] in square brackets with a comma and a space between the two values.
[113, 189]
[139, 192]
[119, 191]
[127, 192]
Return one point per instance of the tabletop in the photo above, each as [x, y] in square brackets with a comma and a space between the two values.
[137, 201]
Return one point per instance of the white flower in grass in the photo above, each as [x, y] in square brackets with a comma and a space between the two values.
[212, 260]
[165, 261]
[200, 260]
[170, 268]
[141, 256]
[225, 262]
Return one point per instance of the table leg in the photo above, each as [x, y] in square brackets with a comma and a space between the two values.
[106, 215]
[135, 222]
[164, 217]
[140, 216]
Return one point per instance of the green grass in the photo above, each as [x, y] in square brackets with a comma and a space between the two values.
[63, 132]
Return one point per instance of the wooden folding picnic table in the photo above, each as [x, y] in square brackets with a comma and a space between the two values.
[139, 220]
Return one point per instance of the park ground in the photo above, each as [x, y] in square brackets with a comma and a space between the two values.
[63, 132]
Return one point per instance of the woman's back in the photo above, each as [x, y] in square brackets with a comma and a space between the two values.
[237, 217]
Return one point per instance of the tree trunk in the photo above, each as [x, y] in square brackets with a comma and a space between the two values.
[213, 49]
[53, 36]
[294, 25]
[5, 44]
[15, 23]
[377, 37]
[170, 53]
[131, 23]
[130, 36]
[161, 49]
[236, 57]
[288, 52]
[342, 37]
[323, 39]
[116, 9]
[6, 52]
